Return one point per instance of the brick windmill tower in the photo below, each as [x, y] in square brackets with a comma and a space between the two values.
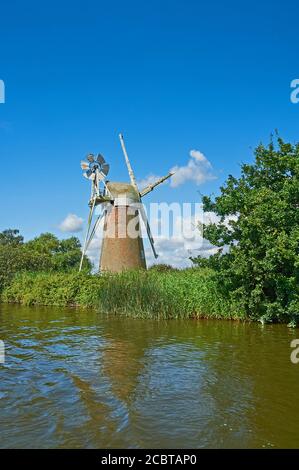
[122, 207]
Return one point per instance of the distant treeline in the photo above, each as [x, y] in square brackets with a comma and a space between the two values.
[254, 275]
[45, 253]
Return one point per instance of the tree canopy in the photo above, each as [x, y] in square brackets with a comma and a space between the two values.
[11, 237]
[258, 234]
[45, 253]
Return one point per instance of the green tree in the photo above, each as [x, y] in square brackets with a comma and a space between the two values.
[15, 258]
[11, 237]
[46, 243]
[61, 255]
[45, 253]
[258, 234]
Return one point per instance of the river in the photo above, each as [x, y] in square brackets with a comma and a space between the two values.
[75, 378]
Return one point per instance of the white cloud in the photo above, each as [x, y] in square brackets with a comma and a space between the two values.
[184, 240]
[200, 157]
[198, 169]
[94, 248]
[72, 224]
[212, 218]
[178, 248]
[176, 252]
[149, 179]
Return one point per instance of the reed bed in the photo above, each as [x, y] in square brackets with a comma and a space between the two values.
[153, 294]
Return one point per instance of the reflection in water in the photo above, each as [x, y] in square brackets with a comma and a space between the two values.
[79, 379]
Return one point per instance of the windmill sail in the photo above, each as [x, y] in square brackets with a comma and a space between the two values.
[148, 229]
[130, 170]
[150, 187]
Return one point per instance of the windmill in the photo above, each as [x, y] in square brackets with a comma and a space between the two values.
[122, 207]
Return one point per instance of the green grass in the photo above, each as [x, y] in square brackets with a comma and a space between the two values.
[190, 293]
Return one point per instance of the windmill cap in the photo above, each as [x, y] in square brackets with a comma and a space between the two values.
[123, 193]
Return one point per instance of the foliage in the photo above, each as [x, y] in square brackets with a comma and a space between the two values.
[258, 235]
[15, 259]
[55, 288]
[161, 268]
[11, 237]
[44, 253]
[190, 293]
[63, 255]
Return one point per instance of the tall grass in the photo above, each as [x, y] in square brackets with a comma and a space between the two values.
[190, 293]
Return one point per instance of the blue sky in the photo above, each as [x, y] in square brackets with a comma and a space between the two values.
[173, 76]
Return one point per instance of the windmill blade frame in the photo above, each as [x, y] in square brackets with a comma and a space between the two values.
[96, 224]
[100, 159]
[84, 165]
[90, 158]
[130, 170]
[87, 234]
[148, 228]
[105, 167]
[152, 186]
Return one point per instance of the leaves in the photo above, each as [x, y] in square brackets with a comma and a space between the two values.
[11, 237]
[260, 269]
[44, 253]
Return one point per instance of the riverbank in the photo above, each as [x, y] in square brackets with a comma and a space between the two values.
[189, 293]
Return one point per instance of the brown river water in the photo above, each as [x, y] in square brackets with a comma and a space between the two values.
[76, 378]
